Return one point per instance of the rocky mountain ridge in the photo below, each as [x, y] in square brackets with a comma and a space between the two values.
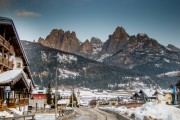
[138, 53]
[120, 44]
[67, 41]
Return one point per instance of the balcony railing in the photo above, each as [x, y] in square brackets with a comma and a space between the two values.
[24, 101]
[6, 63]
[13, 103]
[4, 43]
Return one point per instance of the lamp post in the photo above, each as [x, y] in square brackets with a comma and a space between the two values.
[56, 93]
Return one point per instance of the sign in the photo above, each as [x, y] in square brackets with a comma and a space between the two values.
[7, 88]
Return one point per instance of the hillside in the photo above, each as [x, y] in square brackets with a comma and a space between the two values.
[77, 70]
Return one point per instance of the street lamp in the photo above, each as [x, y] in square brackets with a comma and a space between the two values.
[56, 88]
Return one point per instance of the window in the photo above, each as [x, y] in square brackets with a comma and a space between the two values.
[18, 65]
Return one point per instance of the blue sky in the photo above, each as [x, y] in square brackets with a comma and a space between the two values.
[159, 19]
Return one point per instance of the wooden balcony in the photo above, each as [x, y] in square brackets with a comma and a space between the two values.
[13, 103]
[6, 63]
[4, 43]
[2, 105]
[24, 101]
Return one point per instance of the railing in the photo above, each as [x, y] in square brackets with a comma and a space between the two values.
[6, 63]
[24, 101]
[14, 102]
[11, 103]
[24, 117]
[1, 40]
[3, 105]
[4, 43]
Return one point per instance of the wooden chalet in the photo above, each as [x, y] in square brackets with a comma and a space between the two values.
[145, 95]
[15, 79]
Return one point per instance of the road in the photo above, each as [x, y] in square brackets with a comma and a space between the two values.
[86, 113]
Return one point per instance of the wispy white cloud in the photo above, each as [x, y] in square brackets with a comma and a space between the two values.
[24, 13]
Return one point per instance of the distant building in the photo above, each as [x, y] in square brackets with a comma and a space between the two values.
[168, 96]
[39, 94]
[113, 101]
[145, 95]
[63, 103]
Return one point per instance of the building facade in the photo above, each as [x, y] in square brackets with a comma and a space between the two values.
[15, 79]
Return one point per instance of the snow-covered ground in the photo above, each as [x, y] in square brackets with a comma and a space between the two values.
[45, 116]
[5, 114]
[149, 110]
[68, 74]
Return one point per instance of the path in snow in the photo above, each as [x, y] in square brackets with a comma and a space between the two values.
[86, 113]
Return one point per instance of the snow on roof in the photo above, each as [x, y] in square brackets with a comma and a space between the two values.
[39, 92]
[11, 75]
[8, 76]
[65, 101]
[148, 92]
[170, 91]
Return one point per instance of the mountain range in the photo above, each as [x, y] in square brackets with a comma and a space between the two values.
[125, 58]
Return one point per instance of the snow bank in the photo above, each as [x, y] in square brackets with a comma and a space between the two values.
[149, 111]
[155, 111]
[16, 111]
[5, 114]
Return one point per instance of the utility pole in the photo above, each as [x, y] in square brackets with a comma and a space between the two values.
[72, 97]
[56, 94]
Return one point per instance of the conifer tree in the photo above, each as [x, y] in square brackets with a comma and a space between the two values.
[74, 100]
[48, 94]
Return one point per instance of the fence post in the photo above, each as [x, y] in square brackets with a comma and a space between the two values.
[36, 107]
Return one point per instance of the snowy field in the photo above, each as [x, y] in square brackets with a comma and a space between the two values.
[149, 111]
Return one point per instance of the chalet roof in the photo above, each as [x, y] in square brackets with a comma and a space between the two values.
[158, 92]
[7, 26]
[14, 76]
[148, 92]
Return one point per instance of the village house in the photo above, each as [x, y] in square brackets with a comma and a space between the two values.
[145, 95]
[178, 91]
[39, 94]
[63, 103]
[168, 96]
[113, 101]
[16, 83]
